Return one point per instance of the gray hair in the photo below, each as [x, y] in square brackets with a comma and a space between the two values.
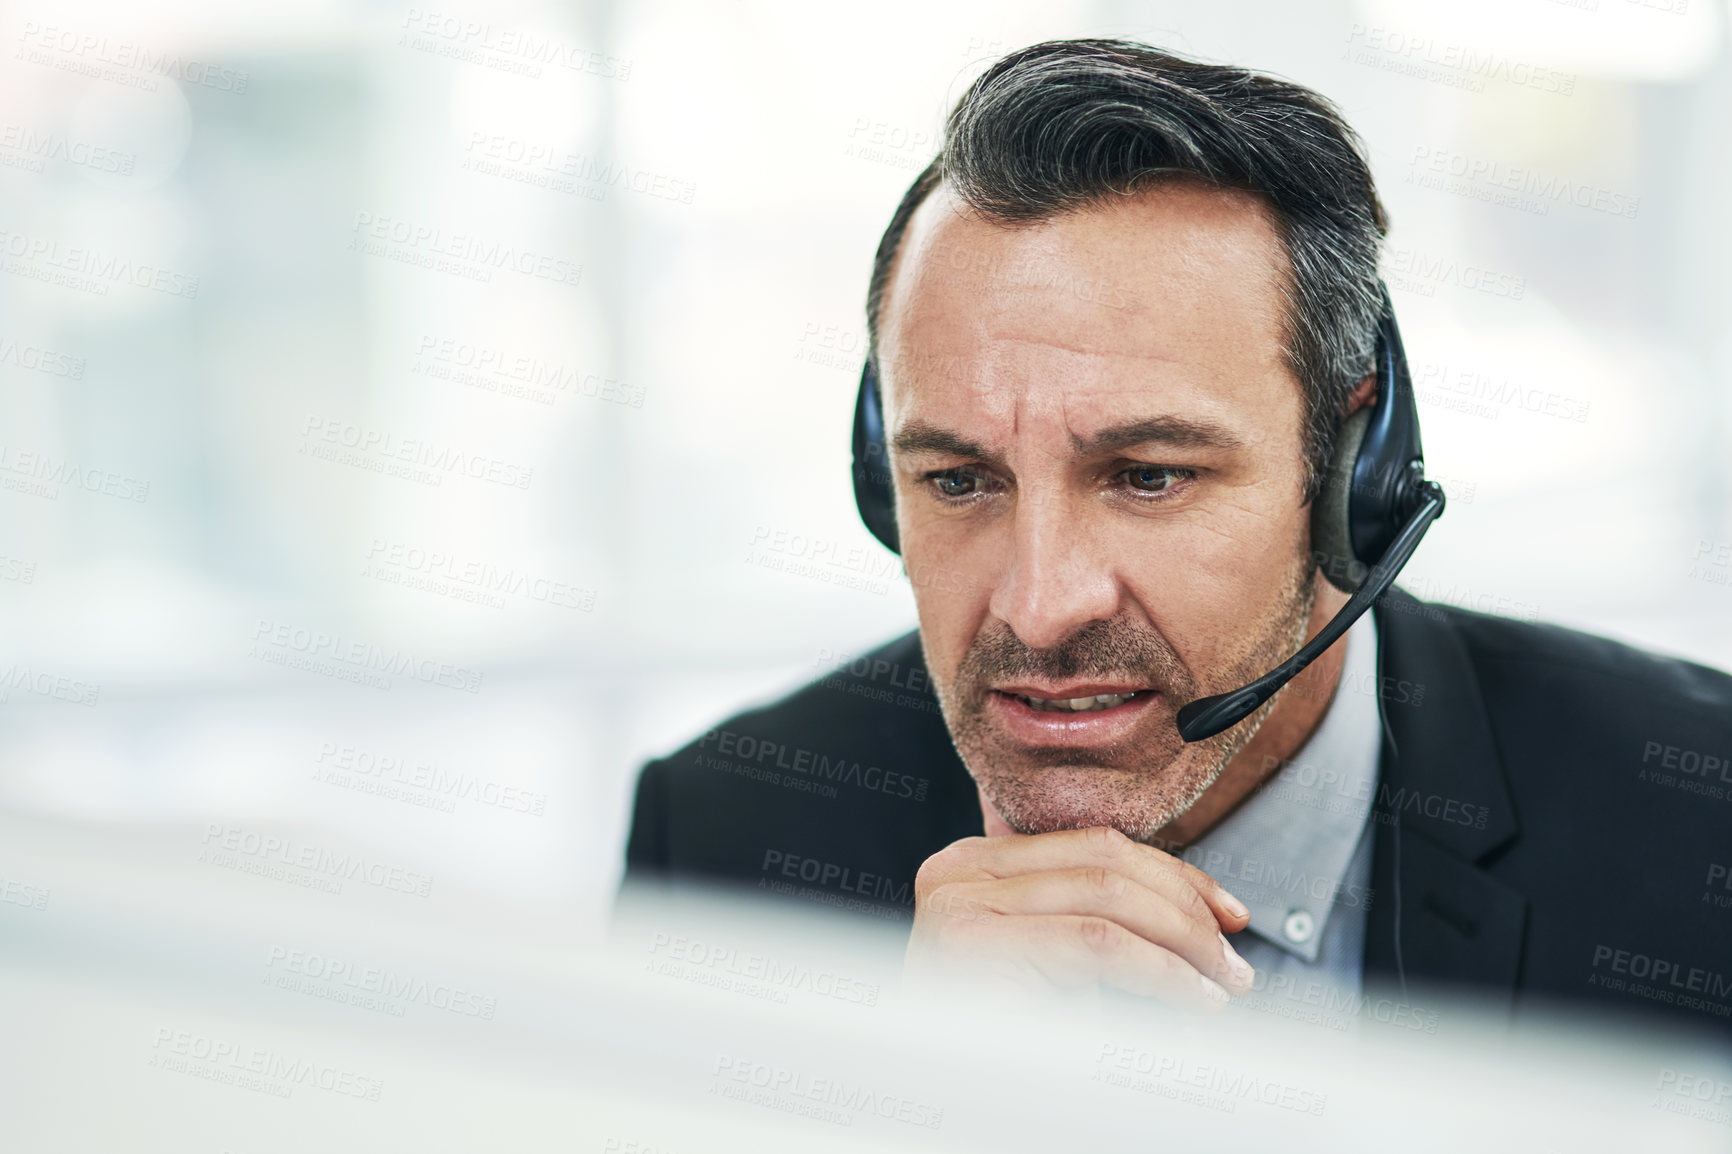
[1068, 123]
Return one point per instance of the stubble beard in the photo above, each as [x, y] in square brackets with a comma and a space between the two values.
[1136, 787]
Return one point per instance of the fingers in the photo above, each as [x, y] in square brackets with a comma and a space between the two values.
[1073, 951]
[1096, 892]
[973, 859]
[1080, 907]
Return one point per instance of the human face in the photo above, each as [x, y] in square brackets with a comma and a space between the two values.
[1095, 439]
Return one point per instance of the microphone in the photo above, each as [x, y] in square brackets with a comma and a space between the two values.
[1207, 716]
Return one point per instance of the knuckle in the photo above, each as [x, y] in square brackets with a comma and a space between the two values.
[944, 902]
[1103, 882]
[935, 870]
[1099, 935]
[1167, 965]
[1104, 841]
[1203, 881]
[1192, 905]
[925, 879]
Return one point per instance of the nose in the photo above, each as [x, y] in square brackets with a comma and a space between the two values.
[1059, 577]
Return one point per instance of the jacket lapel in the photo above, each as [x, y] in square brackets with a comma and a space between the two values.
[1442, 805]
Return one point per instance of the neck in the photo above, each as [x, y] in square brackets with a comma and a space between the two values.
[1299, 708]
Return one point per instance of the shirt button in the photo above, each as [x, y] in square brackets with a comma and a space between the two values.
[1298, 927]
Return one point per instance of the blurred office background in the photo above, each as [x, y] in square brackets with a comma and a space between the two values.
[415, 417]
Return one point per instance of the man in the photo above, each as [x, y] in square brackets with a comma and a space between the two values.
[1117, 326]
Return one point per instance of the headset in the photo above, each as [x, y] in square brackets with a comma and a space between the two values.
[1374, 508]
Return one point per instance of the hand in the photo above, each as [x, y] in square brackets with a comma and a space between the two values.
[1074, 909]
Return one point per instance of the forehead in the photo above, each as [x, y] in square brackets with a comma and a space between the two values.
[1182, 280]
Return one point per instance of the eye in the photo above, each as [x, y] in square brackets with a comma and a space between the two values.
[1153, 478]
[958, 484]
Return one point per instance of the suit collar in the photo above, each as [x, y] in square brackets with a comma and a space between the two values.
[1443, 805]
[1444, 778]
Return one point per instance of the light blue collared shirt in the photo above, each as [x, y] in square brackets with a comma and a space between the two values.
[1297, 852]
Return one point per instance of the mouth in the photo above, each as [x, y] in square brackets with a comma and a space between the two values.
[1071, 715]
[1091, 704]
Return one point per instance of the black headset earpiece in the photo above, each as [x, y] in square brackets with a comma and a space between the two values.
[1376, 475]
[874, 495]
[1374, 507]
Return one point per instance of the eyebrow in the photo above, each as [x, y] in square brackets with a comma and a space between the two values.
[1177, 432]
[920, 437]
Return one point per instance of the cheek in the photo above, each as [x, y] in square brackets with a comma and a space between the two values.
[951, 597]
[1206, 586]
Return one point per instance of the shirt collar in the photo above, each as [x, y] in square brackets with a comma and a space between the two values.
[1285, 850]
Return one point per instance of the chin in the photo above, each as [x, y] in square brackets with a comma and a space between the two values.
[1047, 800]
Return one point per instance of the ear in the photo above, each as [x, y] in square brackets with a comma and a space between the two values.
[1365, 393]
[1331, 520]
[1331, 532]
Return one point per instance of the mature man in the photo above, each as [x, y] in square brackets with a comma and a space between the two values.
[1117, 327]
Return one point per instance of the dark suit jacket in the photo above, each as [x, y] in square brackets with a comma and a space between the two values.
[1553, 817]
